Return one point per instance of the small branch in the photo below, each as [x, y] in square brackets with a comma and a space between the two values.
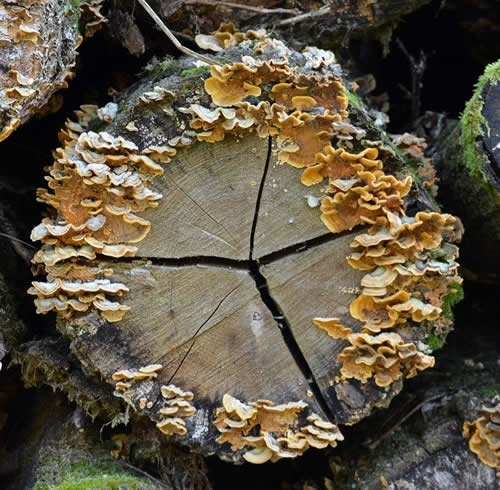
[173, 39]
[251, 8]
[372, 444]
[417, 69]
[145, 474]
[21, 247]
[302, 17]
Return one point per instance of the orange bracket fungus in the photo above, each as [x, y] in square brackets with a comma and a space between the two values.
[97, 184]
[484, 435]
[269, 432]
[247, 204]
[168, 406]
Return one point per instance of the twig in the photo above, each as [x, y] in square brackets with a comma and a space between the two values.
[417, 69]
[372, 444]
[20, 246]
[145, 474]
[252, 8]
[300, 18]
[173, 39]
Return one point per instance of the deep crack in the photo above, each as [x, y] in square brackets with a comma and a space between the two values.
[273, 306]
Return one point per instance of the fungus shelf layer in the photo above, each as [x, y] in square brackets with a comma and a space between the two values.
[196, 243]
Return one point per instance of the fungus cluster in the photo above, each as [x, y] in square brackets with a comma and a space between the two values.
[37, 57]
[484, 434]
[413, 147]
[409, 260]
[386, 356]
[168, 405]
[268, 432]
[266, 93]
[226, 37]
[97, 185]
[411, 268]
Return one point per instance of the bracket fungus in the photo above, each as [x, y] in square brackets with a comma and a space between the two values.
[39, 40]
[212, 272]
[168, 405]
[484, 435]
[98, 183]
[268, 432]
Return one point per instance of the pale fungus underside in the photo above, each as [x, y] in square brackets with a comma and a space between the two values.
[187, 235]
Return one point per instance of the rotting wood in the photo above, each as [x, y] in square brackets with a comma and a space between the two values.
[324, 20]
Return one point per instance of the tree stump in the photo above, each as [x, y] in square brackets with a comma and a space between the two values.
[196, 252]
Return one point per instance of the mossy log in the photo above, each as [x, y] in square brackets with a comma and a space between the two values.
[468, 163]
[189, 263]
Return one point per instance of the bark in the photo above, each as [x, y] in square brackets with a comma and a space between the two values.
[38, 52]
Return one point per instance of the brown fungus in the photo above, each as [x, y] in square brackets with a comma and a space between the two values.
[225, 37]
[168, 406]
[97, 184]
[484, 435]
[269, 432]
[39, 41]
[408, 261]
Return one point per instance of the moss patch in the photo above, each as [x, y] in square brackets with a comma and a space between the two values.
[82, 476]
[195, 71]
[454, 296]
[473, 123]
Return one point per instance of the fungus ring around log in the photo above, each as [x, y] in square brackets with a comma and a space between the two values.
[188, 267]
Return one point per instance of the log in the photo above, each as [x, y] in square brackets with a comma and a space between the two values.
[39, 42]
[307, 22]
[196, 253]
[467, 161]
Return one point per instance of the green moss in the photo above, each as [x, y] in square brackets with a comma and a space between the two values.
[195, 71]
[436, 338]
[454, 296]
[490, 389]
[160, 68]
[473, 123]
[434, 341]
[104, 475]
[354, 100]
